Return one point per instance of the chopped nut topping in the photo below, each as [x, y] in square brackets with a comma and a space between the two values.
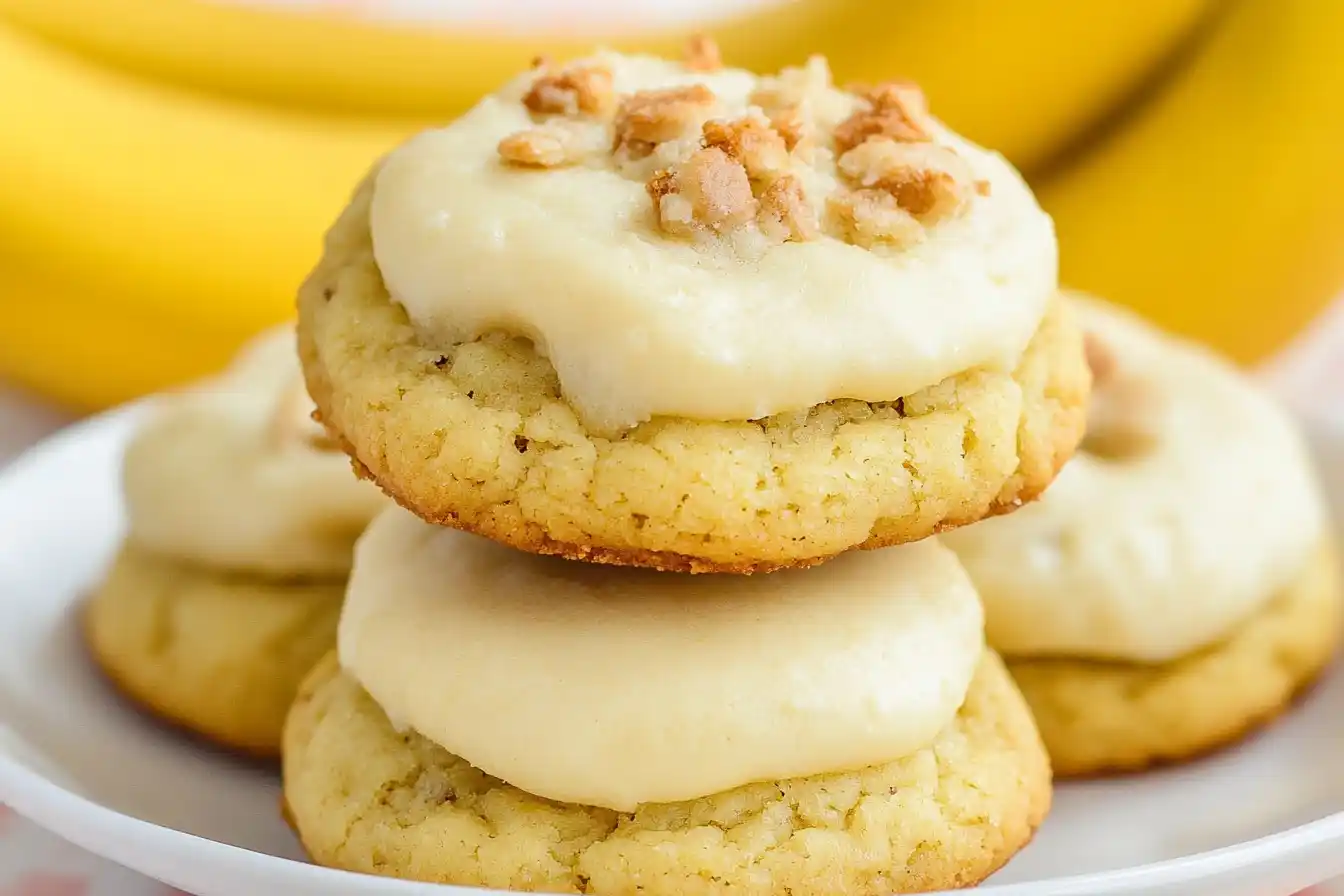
[702, 54]
[649, 117]
[784, 214]
[540, 61]
[541, 147]
[584, 90]
[1100, 358]
[896, 110]
[982, 187]
[789, 123]
[752, 141]
[930, 182]
[709, 191]
[1122, 418]
[871, 218]
[293, 422]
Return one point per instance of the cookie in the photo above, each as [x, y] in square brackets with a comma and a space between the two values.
[563, 353]
[1100, 717]
[366, 798]
[232, 473]
[1170, 590]
[219, 654]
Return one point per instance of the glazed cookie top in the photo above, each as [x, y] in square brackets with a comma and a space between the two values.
[1192, 502]
[614, 687]
[234, 473]
[686, 240]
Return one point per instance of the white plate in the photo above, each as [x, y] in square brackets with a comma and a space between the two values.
[1264, 818]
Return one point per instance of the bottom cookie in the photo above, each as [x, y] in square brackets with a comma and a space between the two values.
[219, 655]
[1098, 717]
[365, 798]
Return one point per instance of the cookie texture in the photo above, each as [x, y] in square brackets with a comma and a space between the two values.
[365, 798]
[220, 655]
[478, 437]
[1098, 717]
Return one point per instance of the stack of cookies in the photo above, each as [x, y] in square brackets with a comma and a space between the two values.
[242, 517]
[623, 334]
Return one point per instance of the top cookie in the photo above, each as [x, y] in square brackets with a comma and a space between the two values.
[608, 239]
[234, 474]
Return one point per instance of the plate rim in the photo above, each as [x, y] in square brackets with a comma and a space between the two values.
[124, 839]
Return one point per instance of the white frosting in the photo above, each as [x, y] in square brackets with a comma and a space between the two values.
[232, 473]
[639, 324]
[614, 687]
[1151, 556]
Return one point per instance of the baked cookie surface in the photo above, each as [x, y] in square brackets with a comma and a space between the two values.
[218, 654]
[480, 438]
[365, 798]
[1098, 716]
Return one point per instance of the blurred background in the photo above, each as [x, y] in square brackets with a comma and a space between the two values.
[167, 167]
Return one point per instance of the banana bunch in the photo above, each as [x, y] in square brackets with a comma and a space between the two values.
[168, 166]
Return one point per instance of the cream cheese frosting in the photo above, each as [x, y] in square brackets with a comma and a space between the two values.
[614, 687]
[638, 323]
[1191, 504]
[233, 473]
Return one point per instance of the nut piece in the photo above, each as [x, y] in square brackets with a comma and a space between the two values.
[584, 90]
[930, 182]
[752, 141]
[872, 218]
[292, 423]
[702, 54]
[896, 110]
[541, 147]
[793, 86]
[1100, 358]
[789, 123]
[649, 117]
[709, 191]
[784, 214]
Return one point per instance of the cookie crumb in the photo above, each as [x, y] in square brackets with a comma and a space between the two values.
[709, 191]
[540, 147]
[702, 54]
[784, 213]
[649, 117]
[930, 182]
[872, 218]
[751, 140]
[896, 110]
[585, 90]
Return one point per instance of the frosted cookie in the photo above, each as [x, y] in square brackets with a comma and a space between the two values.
[635, 312]
[568, 727]
[1178, 583]
[219, 654]
[241, 519]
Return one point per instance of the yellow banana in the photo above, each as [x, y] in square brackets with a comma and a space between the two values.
[1217, 207]
[1022, 77]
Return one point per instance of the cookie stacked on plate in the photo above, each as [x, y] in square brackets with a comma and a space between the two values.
[632, 320]
[241, 518]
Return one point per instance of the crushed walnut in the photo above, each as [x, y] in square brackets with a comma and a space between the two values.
[709, 191]
[702, 54]
[649, 117]
[929, 181]
[871, 218]
[784, 214]
[791, 126]
[542, 147]
[751, 140]
[1100, 358]
[896, 110]
[1123, 418]
[583, 90]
